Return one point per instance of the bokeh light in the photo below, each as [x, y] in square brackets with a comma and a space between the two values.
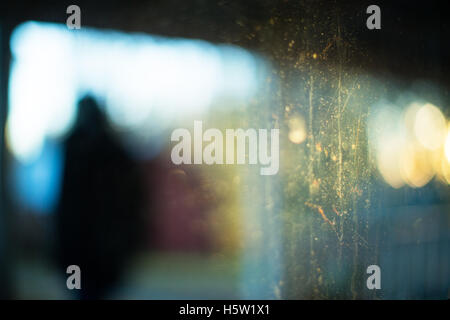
[145, 81]
[409, 144]
[447, 146]
[297, 129]
[430, 127]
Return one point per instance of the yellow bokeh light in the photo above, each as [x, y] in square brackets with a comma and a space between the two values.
[414, 150]
[416, 166]
[297, 130]
[389, 156]
[297, 136]
[445, 170]
[430, 127]
[447, 146]
[410, 116]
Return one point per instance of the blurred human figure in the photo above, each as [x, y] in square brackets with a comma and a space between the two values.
[98, 221]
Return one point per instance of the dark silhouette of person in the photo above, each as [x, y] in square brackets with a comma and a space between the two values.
[98, 221]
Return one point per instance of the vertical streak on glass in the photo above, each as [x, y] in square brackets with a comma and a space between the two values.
[339, 187]
[311, 181]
